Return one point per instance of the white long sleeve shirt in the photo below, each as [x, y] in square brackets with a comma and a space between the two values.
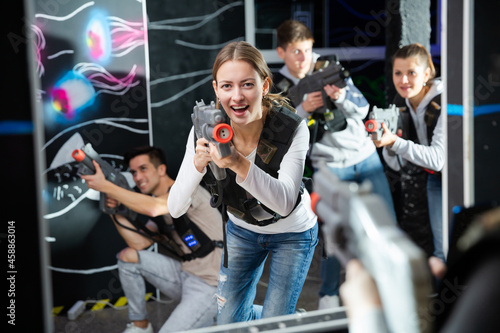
[278, 194]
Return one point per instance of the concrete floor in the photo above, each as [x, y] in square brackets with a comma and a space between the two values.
[110, 320]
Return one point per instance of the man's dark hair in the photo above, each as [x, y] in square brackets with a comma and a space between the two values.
[292, 31]
[156, 155]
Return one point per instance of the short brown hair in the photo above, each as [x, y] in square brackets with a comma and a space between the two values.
[292, 31]
[156, 155]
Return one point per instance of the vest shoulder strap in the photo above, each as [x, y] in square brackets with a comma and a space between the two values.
[275, 140]
[432, 114]
[282, 83]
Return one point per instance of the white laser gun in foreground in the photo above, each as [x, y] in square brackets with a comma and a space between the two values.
[357, 224]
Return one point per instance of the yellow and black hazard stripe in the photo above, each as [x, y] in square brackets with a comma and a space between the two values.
[96, 305]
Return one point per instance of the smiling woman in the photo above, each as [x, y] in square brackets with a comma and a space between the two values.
[411, 74]
[240, 91]
[416, 155]
[263, 200]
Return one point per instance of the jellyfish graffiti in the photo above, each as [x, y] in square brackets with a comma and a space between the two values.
[111, 36]
[78, 88]
[103, 37]
[39, 42]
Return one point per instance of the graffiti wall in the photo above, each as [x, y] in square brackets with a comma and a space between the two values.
[92, 62]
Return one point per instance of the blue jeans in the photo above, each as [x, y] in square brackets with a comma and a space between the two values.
[435, 202]
[371, 169]
[291, 256]
[196, 306]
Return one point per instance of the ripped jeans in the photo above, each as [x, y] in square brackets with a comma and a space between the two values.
[196, 304]
[291, 256]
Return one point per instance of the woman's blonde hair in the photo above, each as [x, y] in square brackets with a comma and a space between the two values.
[244, 51]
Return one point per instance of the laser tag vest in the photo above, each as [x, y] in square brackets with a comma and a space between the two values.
[274, 142]
[432, 114]
[190, 234]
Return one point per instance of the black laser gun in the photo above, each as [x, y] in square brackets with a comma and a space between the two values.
[357, 224]
[378, 116]
[333, 73]
[85, 156]
[210, 123]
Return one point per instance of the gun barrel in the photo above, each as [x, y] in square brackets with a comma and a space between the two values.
[80, 156]
[223, 133]
[344, 74]
[335, 75]
[371, 125]
[85, 156]
[377, 117]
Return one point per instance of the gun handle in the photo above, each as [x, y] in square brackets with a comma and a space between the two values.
[120, 209]
[102, 204]
[224, 149]
[219, 173]
[336, 232]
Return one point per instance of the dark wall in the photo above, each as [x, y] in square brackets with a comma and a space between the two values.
[455, 119]
[19, 213]
[486, 101]
[408, 22]
[182, 51]
[485, 98]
